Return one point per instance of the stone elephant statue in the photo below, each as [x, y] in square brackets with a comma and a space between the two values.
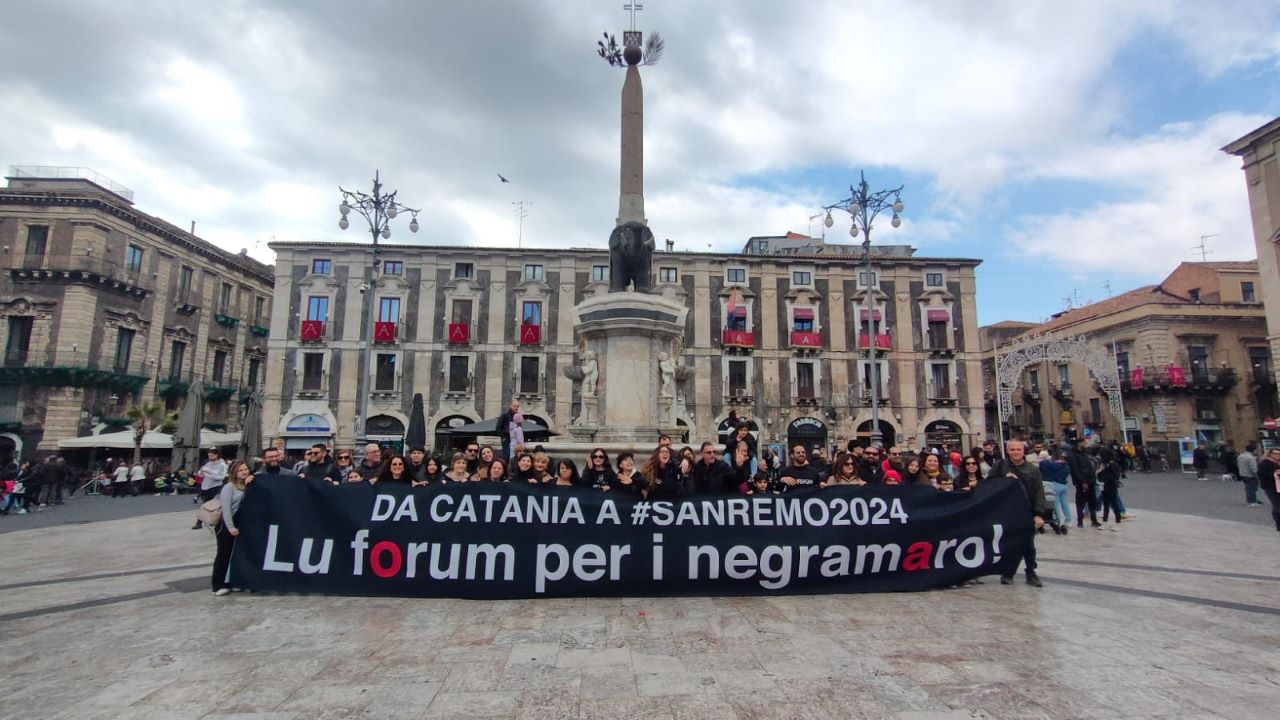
[631, 257]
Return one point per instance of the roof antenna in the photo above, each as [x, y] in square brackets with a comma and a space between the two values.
[1201, 247]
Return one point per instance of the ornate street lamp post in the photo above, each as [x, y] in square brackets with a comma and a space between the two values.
[378, 209]
[863, 206]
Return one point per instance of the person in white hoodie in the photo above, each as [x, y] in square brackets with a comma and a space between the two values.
[212, 474]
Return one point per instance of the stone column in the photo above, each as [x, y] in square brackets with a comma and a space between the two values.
[631, 195]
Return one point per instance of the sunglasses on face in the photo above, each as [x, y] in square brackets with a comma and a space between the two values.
[597, 457]
[847, 462]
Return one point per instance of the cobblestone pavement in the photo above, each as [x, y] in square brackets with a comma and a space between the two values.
[1174, 616]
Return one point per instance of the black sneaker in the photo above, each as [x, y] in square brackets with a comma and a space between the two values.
[1033, 580]
[1006, 580]
[197, 526]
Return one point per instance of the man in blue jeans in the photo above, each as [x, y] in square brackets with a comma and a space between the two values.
[1056, 473]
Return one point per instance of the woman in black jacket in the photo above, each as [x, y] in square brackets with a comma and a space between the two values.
[626, 481]
[598, 474]
[661, 475]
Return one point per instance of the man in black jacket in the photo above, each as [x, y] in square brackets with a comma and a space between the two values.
[1268, 477]
[318, 467]
[710, 475]
[504, 427]
[1084, 475]
[1016, 466]
[1200, 461]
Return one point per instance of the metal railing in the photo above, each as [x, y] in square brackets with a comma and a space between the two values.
[91, 264]
[60, 172]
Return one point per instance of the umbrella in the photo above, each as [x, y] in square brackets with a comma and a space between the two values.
[532, 430]
[416, 435]
[186, 439]
[250, 428]
[153, 440]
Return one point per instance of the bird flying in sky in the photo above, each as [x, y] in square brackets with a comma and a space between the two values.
[502, 178]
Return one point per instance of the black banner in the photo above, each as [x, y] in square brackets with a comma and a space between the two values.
[500, 540]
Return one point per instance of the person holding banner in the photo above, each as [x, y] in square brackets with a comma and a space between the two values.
[599, 474]
[970, 474]
[430, 473]
[238, 478]
[457, 469]
[495, 471]
[1015, 465]
[626, 480]
[661, 475]
[394, 470]
[845, 471]
[800, 473]
[567, 474]
[524, 471]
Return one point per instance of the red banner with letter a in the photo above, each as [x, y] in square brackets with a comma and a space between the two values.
[1135, 377]
[1177, 377]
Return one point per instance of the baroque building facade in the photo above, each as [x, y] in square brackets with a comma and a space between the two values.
[1192, 357]
[777, 332]
[105, 306]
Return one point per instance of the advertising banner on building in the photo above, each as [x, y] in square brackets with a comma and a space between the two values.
[503, 540]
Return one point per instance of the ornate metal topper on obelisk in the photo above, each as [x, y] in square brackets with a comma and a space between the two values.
[631, 243]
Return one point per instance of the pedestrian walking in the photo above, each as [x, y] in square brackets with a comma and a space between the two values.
[1247, 467]
[1200, 461]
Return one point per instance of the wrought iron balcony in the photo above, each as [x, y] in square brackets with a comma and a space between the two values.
[1174, 378]
[86, 269]
[71, 369]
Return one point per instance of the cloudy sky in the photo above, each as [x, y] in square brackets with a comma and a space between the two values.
[1071, 146]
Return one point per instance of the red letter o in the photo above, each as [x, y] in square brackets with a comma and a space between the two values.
[375, 556]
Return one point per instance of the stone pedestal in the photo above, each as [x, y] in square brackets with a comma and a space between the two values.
[628, 332]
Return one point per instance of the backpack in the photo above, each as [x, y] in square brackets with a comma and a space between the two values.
[210, 514]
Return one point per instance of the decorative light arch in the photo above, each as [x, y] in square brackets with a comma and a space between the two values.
[1100, 363]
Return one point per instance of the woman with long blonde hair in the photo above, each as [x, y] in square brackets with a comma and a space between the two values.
[238, 478]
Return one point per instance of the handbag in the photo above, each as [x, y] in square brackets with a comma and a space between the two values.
[210, 514]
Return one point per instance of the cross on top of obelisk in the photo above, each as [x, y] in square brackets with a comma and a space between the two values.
[633, 8]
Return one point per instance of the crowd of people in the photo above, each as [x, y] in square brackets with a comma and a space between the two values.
[674, 471]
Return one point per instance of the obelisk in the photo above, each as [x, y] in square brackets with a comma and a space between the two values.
[631, 182]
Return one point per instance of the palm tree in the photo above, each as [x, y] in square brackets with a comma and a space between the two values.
[147, 416]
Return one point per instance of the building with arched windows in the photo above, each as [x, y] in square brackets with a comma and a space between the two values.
[778, 332]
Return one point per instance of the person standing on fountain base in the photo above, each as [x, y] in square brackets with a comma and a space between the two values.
[504, 427]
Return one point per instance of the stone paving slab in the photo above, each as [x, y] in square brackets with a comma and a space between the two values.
[1174, 616]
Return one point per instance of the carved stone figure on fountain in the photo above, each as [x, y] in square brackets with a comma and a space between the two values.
[667, 371]
[631, 257]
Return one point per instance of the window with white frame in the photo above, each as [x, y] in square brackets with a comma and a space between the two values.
[933, 279]
[735, 275]
[600, 273]
[668, 275]
[533, 272]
